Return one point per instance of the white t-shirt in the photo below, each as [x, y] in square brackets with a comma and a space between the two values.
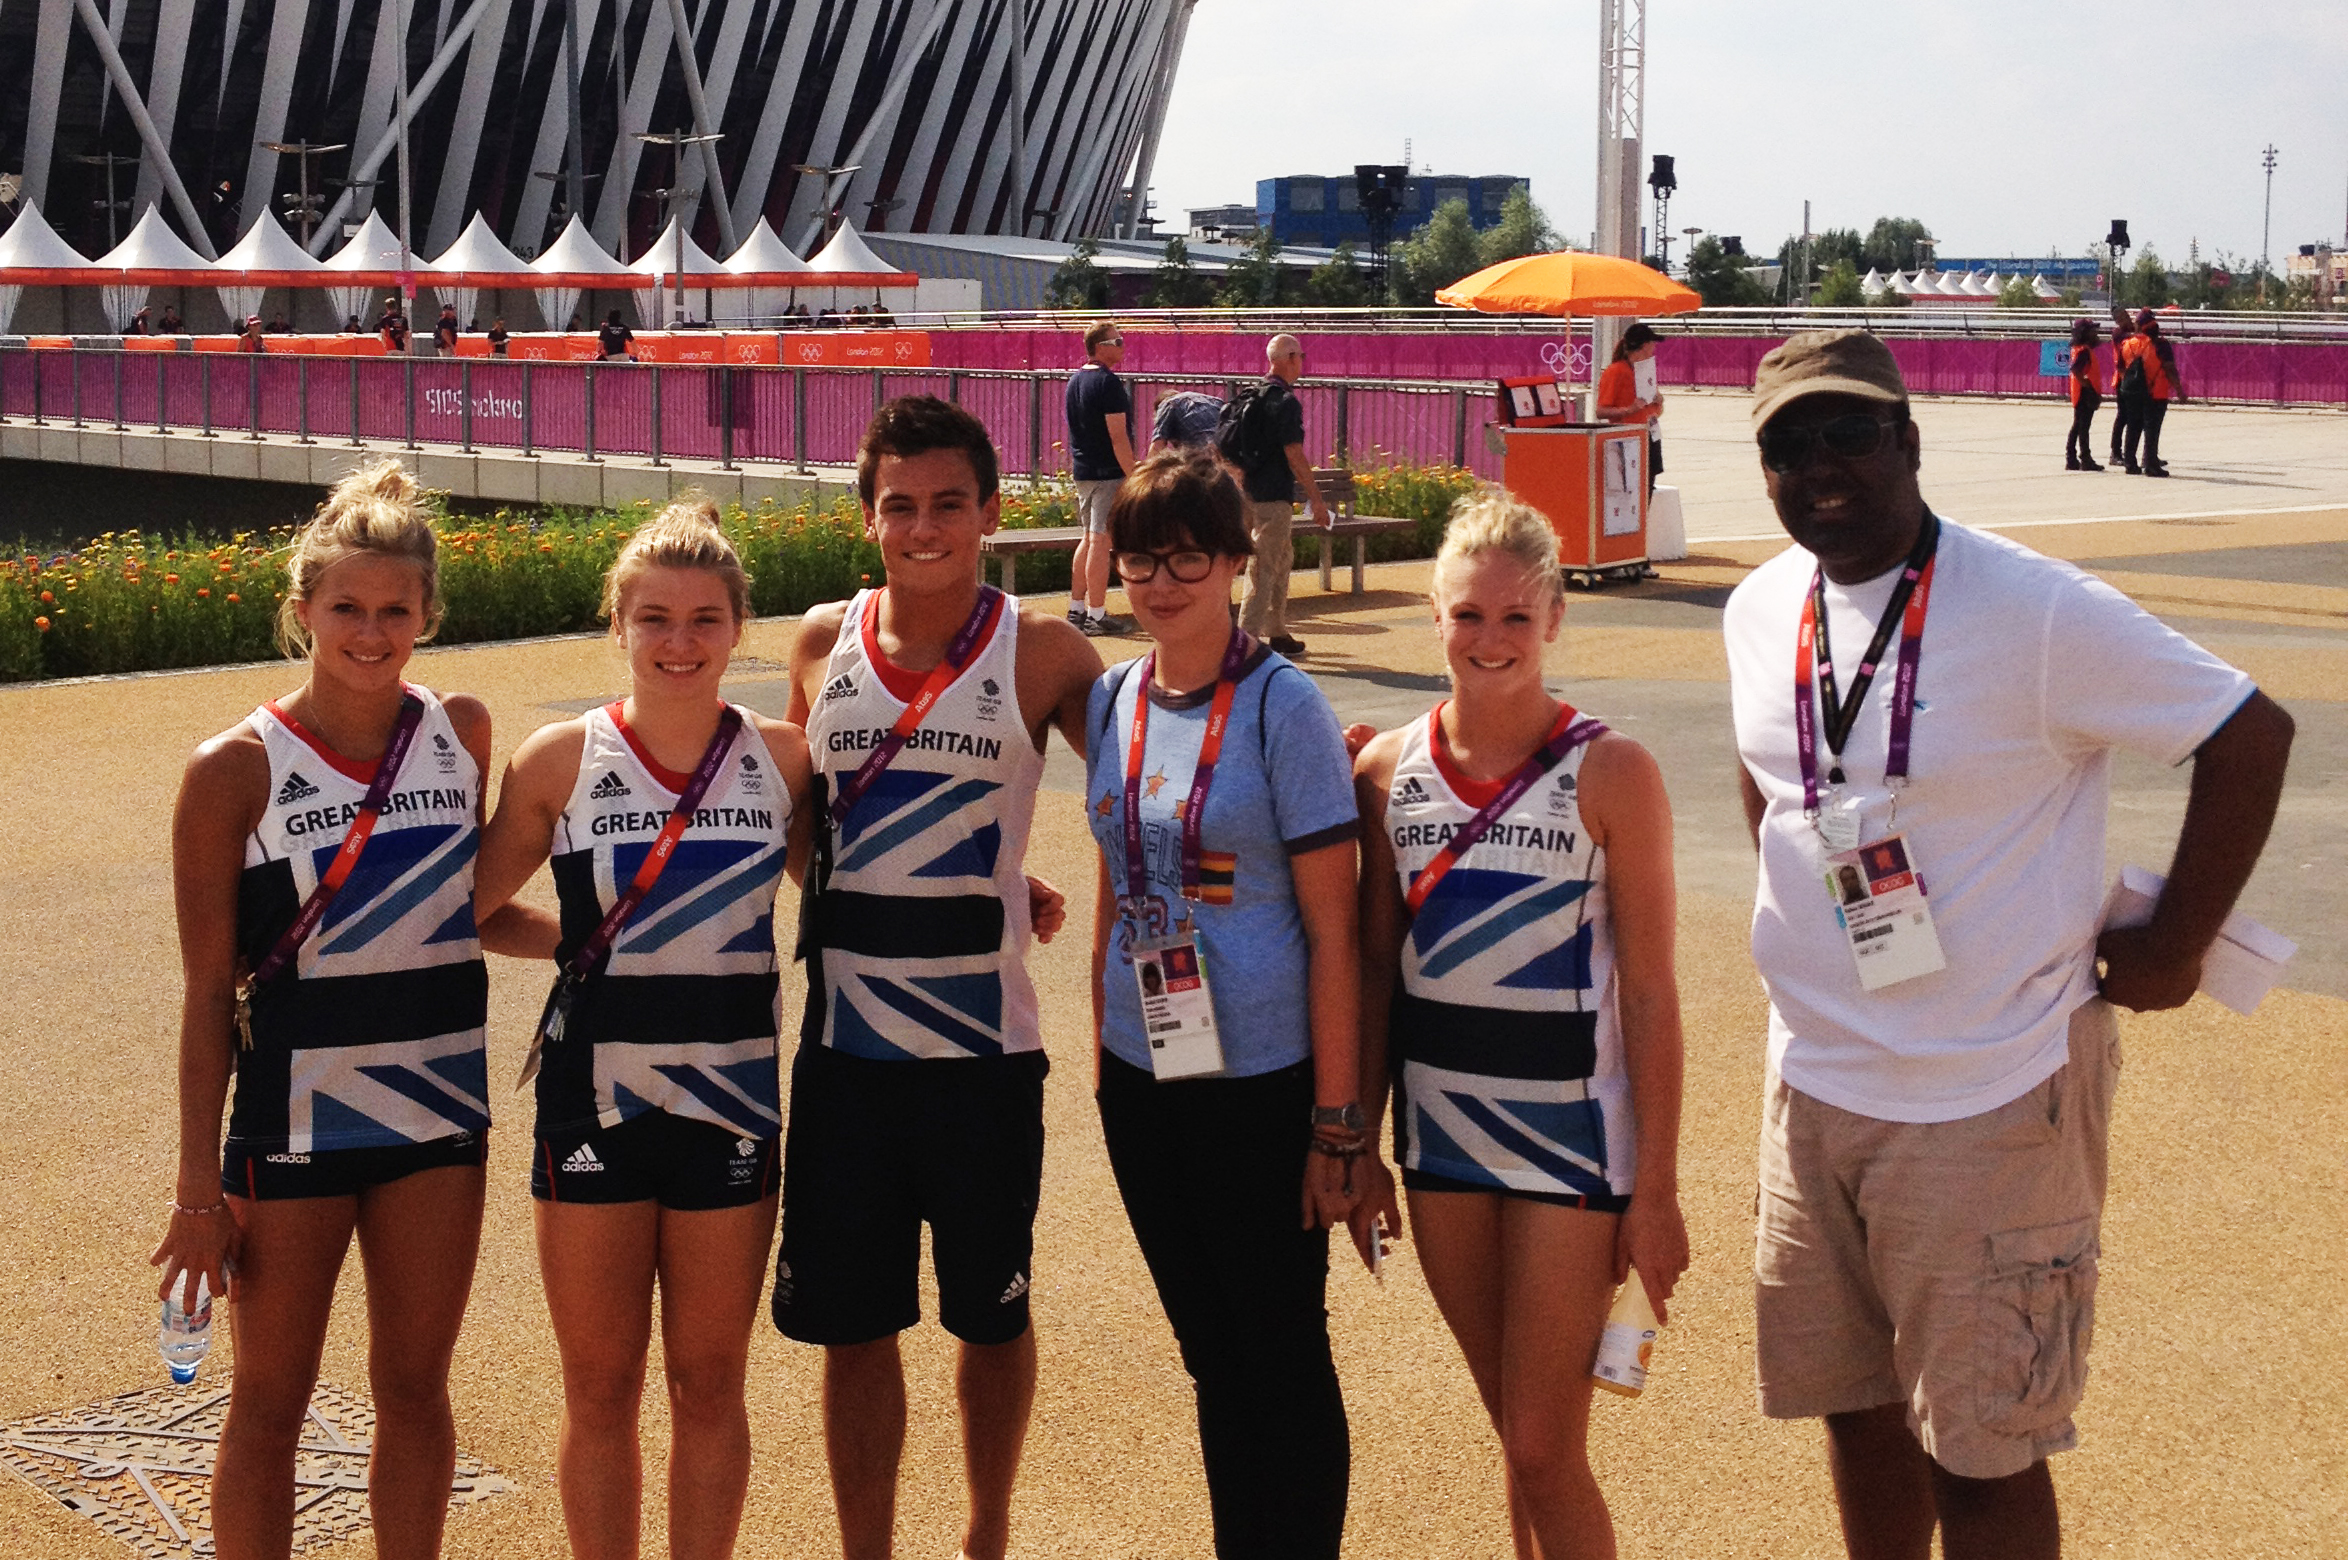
[2032, 671]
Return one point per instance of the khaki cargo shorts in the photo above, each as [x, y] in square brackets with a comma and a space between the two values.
[1948, 1265]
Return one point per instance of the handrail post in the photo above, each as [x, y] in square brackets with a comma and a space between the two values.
[204, 373]
[655, 440]
[302, 396]
[1035, 429]
[799, 417]
[408, 379]
[39, 420]
[529, 414]
[880, 392]
[253, 396]
[118, 357]
[75, 356]
[163, 392]
[587, 378]
[355, 439]
[725, 416]
[954, 388]
[1459, 409]
[1344, 413]
[465, 403]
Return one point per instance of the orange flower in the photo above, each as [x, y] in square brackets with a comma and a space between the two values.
[203, 590]
[42, 624]
[233, 596]
[171, 579]
[47, 599]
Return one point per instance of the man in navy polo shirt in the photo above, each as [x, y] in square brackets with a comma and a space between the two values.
[1100, 449]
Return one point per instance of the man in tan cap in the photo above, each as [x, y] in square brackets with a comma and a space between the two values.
[1942, 1051]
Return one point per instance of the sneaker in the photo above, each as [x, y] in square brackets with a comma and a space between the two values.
[1077, 614]
[2090, 465]
[2132, 469]
[2161, 470]
[2070, 463]
[1286, 645]
[1092, 627]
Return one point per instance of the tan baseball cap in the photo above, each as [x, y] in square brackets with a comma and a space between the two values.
[1826, 362]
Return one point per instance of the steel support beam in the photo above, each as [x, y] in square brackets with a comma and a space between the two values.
[152, 139]
[365, 168]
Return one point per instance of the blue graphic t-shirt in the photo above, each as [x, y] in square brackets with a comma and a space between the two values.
[1283, 786]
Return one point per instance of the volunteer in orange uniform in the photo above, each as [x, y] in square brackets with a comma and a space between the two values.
[2086, 396]
[1627, 392]
[2152, 359]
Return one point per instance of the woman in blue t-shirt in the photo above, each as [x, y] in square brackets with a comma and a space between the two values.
[1231, 1105]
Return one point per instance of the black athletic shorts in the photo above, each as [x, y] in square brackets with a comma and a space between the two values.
[1596, 1202]
[875, 1150]
[267, 1175]
[691, 1166]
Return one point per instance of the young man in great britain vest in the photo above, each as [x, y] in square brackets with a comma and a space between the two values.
[918, 1090]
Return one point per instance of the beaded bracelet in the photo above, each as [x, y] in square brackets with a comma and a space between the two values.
[198, 1213]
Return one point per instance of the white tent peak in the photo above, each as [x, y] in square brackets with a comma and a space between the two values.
[374, 247]
[31, 243]
[574, 249]
[152, 246]
[848, 252]
[268, 247]
[478, 250]
[660, 258]
[763, 250]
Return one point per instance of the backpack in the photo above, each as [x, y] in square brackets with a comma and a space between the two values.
[1236, 437]
[2133, 381]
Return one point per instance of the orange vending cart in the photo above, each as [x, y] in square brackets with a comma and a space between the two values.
[1590, 479]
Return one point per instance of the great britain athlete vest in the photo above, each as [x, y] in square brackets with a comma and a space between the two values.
[1510, 1045]
[681, 1015]
[371, 1036]
[917, 941]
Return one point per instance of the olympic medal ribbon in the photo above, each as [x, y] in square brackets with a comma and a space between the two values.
[958, 655]
[1572, 730]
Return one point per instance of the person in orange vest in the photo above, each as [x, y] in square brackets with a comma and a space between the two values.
[2086, 396]
[1627, 392]
[2123, 407]
[2152, 362]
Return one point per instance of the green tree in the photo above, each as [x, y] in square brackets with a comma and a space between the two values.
[1521, 230]
[1827, 250]
[2018, 294]
[1895, 244]
[1438, 254]
[1253, 281]
[1338, 282]
[2148, 280]
[1840, 289]
[1726, 281]
[1176, 283]
[1077, 283]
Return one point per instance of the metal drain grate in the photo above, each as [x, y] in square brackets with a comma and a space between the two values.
[140, 1466]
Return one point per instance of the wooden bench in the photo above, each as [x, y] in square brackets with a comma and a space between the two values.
[1337, 491]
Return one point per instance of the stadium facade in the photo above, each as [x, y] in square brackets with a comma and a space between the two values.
[920, 95]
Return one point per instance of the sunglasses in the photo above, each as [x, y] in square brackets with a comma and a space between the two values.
[1854, 437]
[1188, 566]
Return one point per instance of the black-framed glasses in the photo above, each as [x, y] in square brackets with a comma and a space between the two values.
[1852, 437]
[1188, 566]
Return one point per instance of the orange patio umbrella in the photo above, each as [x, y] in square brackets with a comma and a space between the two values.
[1570, 282]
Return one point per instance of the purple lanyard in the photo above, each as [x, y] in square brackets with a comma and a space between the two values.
[1814, 659]
[958, 654]
[1210, 749]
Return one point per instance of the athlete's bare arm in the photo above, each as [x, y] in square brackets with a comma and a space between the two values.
[1381, 916]
[513, 926]
[221, 800]
[810, 651]
[1057, 668]
[1628, 814]
[515, 841]
[787, 744]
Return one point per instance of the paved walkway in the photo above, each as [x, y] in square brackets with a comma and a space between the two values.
[2215, 1423]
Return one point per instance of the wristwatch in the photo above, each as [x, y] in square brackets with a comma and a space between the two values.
[1348, 1116]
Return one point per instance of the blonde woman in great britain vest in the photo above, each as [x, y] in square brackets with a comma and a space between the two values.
[671, 817]
[322, 859]
[1517, 910]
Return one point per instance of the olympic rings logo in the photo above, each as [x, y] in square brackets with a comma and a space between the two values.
[1566, 361]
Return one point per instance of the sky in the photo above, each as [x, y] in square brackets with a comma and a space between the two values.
[2007, 129]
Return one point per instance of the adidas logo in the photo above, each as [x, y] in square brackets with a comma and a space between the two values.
[840, 687]
[609, 786]
[295, 789]
[583, 1160]
[1412, 791]
[1016, 1288]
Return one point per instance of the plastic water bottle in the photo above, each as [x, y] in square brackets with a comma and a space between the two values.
[185, 1337]
[1628, 1345]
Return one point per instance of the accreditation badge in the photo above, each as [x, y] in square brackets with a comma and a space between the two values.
[1879, 899]
[1177, 1010]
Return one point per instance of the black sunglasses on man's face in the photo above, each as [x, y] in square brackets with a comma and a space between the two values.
[1852, 437]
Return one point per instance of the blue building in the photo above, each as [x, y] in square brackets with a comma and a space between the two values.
[1324, 210]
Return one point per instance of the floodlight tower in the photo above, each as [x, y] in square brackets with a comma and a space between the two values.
[1622, 115]
[2266, 231]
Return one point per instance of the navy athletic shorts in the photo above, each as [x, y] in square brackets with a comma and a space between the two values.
[272, 1175]
[878, 1148]
[691, 1166]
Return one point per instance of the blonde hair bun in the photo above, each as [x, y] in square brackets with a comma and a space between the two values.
[1492, 519]
[685, 535]
[377, 509]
